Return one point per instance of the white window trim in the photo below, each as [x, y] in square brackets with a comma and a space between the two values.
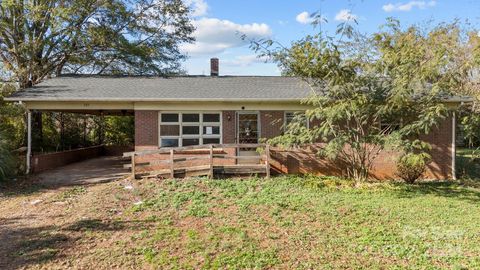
[181, 124]
[285, 119]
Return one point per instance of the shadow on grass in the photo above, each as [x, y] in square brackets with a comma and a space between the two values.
[20, 188]
[108, 225]
[24, 247]
[447, 189]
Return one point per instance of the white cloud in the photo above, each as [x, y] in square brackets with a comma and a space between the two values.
[304, 18]
[307, 18]
[199, 7]
[245, 60]
[214, 36]
[345, 15]
[409, 6]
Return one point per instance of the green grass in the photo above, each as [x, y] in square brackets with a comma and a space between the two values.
[308, 223]
[71, 193]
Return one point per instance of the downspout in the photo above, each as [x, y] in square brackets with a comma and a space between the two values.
[454, 146]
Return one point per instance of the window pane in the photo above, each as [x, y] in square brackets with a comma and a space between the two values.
[389, 128]
[290, 117]
[211, 117]
[189, 142]
[169, 143]
[169, 130]
[211, 140]
[191, 130]
[170, 117]
[191, 117]
[211, 130]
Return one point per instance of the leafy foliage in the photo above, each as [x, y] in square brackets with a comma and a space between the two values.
[41, 38]
[470, 127]
[11, 132]
[368, 93]
[119, 130]
[411, 166]
[6, 160]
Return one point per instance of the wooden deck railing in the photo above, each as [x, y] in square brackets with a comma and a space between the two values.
[162, 162]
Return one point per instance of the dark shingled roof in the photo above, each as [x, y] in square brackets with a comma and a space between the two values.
[134, 88]
[181, 88]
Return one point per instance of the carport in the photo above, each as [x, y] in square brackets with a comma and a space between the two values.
[39, 100]
[39, 162]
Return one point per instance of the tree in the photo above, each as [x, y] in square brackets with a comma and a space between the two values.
[381, 92]
[41, 38]
[11, 131]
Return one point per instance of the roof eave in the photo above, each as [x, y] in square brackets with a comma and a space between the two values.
[14, 99]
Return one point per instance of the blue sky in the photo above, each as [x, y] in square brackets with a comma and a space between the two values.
[218, 23]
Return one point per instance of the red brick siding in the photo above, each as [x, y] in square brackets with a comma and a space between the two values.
[271, 123]
[146, 130]
[229, 127]
[441, 141]
[305, 160]
[384, 167]
[116, 150]
[43, 162]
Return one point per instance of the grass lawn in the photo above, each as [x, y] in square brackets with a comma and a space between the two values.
[286, 222]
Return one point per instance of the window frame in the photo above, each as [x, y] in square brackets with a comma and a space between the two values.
[201, 124]
[285, 119]
[384, 122]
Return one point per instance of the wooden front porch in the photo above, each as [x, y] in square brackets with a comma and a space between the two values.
[210, 160]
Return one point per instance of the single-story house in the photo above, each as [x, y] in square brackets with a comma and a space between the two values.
[195, 110]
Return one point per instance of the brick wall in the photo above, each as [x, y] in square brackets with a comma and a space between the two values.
[271, 123]
[229, 127]
[146, 130]
[117, 150]
[43, 162]
[301, 161]
[441, 141]
[306, 160]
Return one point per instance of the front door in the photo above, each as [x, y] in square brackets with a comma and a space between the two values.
[247, 133]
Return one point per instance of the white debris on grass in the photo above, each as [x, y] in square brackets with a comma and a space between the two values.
[129, 187]
[36, 202]
[138, 203]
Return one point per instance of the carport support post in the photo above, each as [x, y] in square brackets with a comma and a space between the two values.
[454, 146]
[29, 141]
[133, 166]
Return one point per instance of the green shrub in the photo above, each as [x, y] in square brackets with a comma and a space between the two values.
[6, 160]
[411, 166]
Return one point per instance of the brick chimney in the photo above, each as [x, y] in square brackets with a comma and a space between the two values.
[214, 62]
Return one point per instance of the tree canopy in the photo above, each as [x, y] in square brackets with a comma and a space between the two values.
[39, 38]
[371, 92]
